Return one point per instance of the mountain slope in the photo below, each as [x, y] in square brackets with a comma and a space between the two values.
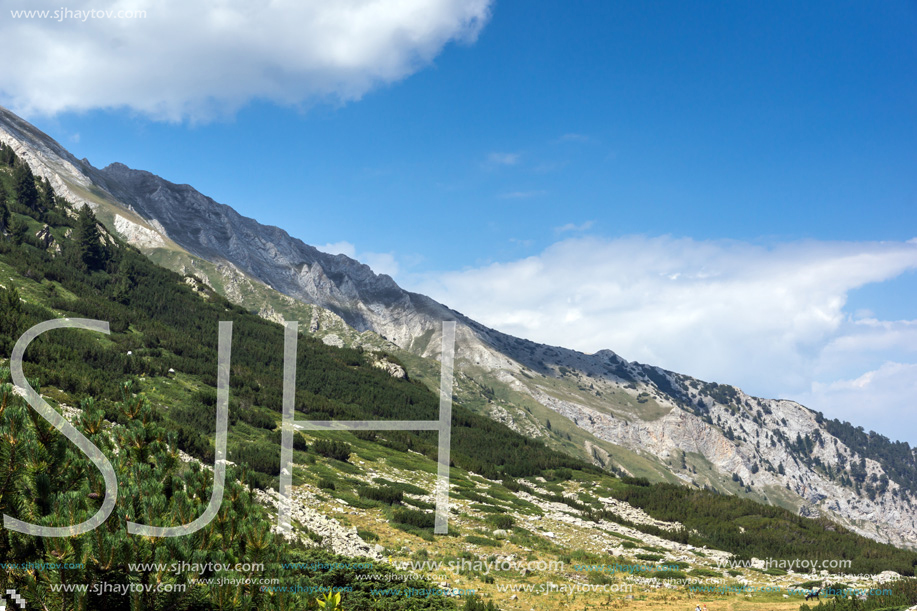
[626, 416]
[351, 487]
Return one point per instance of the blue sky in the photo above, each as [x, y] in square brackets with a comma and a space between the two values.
[727, 190]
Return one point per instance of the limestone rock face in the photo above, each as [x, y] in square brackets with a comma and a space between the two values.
[393, 369]
[659, 416]
[45, 157]
[136, 234]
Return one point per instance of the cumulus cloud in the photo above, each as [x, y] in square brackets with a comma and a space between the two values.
[863, 343]
[380, 262]
[339, 248]
[206, 59]
[880, 400]
[768, 319]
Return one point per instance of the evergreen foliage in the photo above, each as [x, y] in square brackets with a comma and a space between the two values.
[7, 155]
[383, 494]
[897, 458]
[413, 517]
[4, 210]
[48, 199]
[26, 193]
[474, 603]
[92, 253]
[749, 529]
[903, 595]
[332, 448]
[164, 324]
[45, 480]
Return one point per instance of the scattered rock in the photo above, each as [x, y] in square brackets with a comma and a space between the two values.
[333, 339]
[393, 369]
[44, 237]
[885, 576]
[335, 537]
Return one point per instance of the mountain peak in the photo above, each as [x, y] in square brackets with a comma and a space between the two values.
[636, 418]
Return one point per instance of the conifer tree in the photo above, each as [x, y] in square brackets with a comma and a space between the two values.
[47, 195]
[92, 253]
[26, 192]
[4, 211]
[10, 311]
[16, 230]
[6, 155]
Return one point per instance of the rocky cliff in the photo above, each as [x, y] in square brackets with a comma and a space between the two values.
[626, 416]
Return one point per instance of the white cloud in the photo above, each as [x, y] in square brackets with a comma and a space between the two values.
[770, 320]
[206, 59]
[380, 262]
[339, 248]
[867, 337]
[881, 400]
[574, 227]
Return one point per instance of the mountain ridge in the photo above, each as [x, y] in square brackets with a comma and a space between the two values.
[634, 418]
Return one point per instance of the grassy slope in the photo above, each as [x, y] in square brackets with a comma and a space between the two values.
[373, 459]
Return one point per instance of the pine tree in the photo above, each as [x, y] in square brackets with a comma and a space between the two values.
[92, 253]
[47, 195]
[26, 192]
[7, 155]
[16, 230]
[10, 311]
[4, 211]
